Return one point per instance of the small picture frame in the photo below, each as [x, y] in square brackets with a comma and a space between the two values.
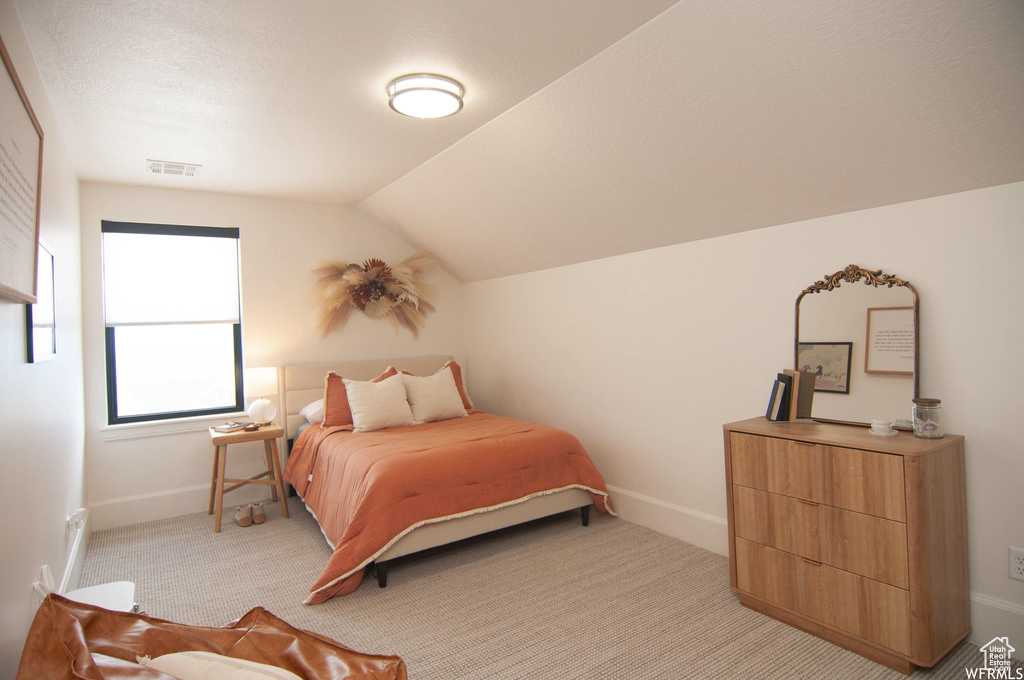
[41, 317]
[829, 362]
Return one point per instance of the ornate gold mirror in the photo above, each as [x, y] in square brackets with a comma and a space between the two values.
[863, 343]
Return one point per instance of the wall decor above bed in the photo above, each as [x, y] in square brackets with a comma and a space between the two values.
[377, 290]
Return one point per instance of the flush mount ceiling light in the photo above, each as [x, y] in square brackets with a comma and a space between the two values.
[424, 95]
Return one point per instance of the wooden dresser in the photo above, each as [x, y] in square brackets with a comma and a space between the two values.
[860, 540]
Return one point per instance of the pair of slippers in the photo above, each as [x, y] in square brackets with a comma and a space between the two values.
[250, 513]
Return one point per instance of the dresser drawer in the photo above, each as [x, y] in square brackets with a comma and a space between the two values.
[865, 481]
[853, 604]
[855, 542]
[852, 479]
[781, 466]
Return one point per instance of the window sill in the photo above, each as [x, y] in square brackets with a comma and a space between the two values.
[163, 428]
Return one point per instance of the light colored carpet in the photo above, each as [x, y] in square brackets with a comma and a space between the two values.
[550, 599]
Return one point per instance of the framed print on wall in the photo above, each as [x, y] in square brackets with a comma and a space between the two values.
[829, 361]
[21, 172]
[890, 342]
[41, 317]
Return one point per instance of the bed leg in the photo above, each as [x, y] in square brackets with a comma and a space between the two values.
[382, 574]
[585, 512]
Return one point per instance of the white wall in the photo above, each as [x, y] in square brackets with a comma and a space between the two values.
[40, 404]
[644, 357]
[142, 473]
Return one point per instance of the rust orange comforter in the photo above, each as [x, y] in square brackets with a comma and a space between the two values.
[368, 489]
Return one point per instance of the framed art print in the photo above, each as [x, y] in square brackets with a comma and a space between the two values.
[890, 341]
[829, 362]
[21, 171]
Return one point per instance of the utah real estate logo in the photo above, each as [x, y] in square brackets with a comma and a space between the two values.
[998, 665]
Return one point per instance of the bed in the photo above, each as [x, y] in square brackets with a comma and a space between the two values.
[541, 471]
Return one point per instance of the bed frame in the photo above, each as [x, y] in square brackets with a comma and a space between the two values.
[304, 383]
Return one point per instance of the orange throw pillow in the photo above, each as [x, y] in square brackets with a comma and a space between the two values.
[467, 403]
[336, 410]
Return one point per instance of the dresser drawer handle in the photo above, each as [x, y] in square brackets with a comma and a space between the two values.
[801, 500]
[810, 561]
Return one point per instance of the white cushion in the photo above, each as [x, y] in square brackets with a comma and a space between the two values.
[434, 397]
[376, 405]
[209, 666]
[314, 412]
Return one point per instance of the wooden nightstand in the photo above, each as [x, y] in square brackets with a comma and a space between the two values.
[268, 434]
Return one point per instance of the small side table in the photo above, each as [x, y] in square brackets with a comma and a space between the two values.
[268, 434]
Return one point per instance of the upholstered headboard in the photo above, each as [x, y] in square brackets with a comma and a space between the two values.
[304, 383]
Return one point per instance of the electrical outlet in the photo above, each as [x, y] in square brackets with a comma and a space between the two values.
[44, 585]
[1017, 563]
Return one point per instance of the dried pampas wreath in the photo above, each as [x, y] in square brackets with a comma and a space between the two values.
[377, 290]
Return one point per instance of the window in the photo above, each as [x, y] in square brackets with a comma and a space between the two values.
[173, 327]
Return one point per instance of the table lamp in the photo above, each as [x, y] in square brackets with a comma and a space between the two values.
[261, 383]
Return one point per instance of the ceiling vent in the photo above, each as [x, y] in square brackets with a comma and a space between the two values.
[169, 168]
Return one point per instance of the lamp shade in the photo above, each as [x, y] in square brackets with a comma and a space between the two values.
[261, 382]
[425, 95]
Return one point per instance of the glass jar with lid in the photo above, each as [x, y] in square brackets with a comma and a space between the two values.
[928, 418]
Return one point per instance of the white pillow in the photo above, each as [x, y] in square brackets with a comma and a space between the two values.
[209, 666]
[314, 412]
[376, 405]
[434, 397]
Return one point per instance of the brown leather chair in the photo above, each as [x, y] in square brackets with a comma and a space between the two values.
[66, 634]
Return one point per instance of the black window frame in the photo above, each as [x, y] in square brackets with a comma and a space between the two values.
[109, 226]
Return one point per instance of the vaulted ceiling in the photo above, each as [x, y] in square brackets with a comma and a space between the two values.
[591, 127]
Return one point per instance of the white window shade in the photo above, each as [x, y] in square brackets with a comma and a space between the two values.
[162, 279]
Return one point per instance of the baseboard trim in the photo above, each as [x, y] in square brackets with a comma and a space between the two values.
[1009, 607]
[686, 524]
[992, 617]
[149, 507]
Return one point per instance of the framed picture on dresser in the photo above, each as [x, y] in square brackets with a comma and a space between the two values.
[829, 362]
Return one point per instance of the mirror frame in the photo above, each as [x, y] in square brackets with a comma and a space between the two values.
[852, 274]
